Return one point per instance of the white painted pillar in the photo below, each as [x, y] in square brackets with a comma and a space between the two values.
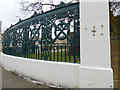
[95, 67]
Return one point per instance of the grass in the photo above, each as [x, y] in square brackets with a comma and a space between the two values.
[54, 56]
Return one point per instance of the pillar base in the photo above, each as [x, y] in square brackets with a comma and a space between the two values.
[92, 77]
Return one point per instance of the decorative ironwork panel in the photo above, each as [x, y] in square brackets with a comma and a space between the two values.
[52, 35]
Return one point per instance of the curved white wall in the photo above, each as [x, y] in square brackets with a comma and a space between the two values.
[59, 73]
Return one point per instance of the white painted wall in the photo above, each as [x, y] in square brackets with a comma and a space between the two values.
[57, 73]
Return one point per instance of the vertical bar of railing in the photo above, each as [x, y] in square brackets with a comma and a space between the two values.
[54, 54]
[47, 52]
[61, 53]
[7, 50]
[57, 52]
[11, 51]
[38, 52]
[74, 34]
[41, 51]
[69, 54]
[50, 51]
[33, 54]
[34, 51]
[27, 51]
[31, 51]
[18, 48]
[65, 52]
[15, 50]
[74, 54]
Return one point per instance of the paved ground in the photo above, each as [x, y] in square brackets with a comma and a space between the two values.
[10, 80]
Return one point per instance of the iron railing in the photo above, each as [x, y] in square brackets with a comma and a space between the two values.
[53, 35]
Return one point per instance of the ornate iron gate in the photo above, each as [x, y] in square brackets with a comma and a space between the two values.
[53, 35]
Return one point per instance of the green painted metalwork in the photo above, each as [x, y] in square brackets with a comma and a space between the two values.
[53, 35]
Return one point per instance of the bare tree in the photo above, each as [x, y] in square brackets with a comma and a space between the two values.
[115, 8]
[27, 6]
[39, 5]
[115, 18]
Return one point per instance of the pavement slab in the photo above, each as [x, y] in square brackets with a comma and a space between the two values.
[11, 80]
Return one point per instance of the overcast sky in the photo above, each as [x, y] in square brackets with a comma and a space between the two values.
[9, 9]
